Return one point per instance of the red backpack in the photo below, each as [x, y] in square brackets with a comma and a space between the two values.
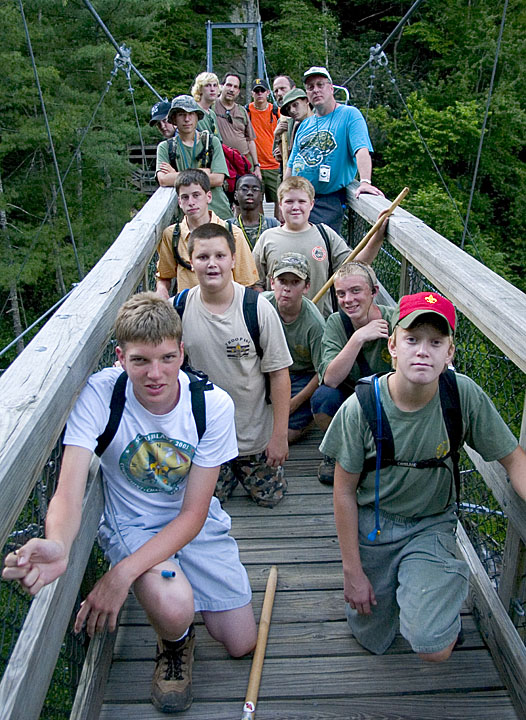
[237, 165]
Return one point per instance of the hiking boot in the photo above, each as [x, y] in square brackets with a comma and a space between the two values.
[326, 470]
[172, 677]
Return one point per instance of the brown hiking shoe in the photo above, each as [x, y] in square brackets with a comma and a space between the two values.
[172, 677]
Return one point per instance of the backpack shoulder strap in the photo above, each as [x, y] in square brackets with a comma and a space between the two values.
[179, 302]
[172, 156]
[452, 413]
[199, 383]
[176, 235]
[361, 360]
[118, 398]
[325, 236]
[365, 393]
[250, 314]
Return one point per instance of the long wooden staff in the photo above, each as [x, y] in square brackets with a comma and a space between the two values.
[251, 698]
[363, 242]
[285, 149]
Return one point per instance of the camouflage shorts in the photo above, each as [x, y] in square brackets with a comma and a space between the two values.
[265, 485]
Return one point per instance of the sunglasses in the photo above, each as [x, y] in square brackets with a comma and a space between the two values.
[259, 90]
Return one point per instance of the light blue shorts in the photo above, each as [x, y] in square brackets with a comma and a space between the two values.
[210, 561]
[418, 582]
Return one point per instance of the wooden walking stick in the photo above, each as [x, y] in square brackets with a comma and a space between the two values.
[363, 242]
[249, 709]
[284, 150]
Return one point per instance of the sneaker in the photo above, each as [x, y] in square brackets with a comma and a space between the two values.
[326, 470]
[172, 677]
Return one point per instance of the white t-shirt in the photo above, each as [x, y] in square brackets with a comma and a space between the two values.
[221, 346]
[146, 464]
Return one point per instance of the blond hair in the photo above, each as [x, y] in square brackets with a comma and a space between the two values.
[201, 80]
[147, 318]
[358, 268]
[295, 182]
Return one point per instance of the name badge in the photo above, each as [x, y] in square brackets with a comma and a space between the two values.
[325, 173]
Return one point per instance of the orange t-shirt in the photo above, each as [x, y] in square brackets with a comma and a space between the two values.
[264, 123]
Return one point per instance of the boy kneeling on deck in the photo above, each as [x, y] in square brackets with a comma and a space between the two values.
[396, 524]
[162, 531]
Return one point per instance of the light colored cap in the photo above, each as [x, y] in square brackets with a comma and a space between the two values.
[315, 70]
[187, 104]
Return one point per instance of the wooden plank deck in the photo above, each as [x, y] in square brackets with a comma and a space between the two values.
[314, 669]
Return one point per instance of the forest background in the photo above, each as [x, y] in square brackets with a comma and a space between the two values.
[440, 67]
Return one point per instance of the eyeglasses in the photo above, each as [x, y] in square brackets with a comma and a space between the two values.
[228, 116]
[259, 90]
[320, 84]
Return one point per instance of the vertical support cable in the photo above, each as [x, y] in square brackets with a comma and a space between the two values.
[52, 147]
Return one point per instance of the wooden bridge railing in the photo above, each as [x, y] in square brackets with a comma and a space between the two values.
[39, 388]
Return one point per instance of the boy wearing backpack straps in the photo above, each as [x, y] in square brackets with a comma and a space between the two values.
[219, 341]
[397, 528]
[323, 247]
[162, 531]
[193, 190]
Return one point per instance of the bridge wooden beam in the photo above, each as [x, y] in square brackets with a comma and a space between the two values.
[38, 390]
[491, 303]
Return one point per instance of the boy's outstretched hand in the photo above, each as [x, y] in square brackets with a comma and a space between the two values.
[37, 563]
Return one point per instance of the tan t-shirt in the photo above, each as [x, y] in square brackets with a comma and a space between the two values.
[244, 273]
[221, 346]
[273, 243]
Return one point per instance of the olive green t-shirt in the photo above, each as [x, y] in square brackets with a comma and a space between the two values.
[303, 335]
[375, 351]
[418, 435]
[187, 158]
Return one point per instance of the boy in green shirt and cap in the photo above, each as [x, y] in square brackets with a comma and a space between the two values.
[397, 530]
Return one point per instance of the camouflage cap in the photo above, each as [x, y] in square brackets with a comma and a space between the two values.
[295, 263]
[187, 104]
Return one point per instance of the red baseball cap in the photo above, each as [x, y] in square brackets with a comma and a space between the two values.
[413, 306]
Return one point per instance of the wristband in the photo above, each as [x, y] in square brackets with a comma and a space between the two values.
[365, 180]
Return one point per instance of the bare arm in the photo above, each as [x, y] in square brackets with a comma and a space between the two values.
[254, 155]
[338, 369]
[358, 591]
[371, 250]
[216, 179]
[515, 466]
[162, 288]
[304, 394]
[102, 605]
[278, 448]
[365, 171]
[166, 175]
[41, 561]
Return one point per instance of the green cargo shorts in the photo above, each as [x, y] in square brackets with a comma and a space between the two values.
[418, 582]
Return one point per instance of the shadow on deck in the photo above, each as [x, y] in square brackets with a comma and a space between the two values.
[314, 669]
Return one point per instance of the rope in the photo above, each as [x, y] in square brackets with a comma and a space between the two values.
[118, 47]
[52, 146]
[483, 130]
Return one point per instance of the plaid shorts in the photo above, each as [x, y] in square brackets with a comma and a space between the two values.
[265, 485]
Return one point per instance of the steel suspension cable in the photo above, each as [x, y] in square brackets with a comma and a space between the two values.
[48, 211]
[388, 39]
[483, 130]
[50, 137]
[118, 47]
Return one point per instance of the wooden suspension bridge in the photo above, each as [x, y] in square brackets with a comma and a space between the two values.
[314, 669]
